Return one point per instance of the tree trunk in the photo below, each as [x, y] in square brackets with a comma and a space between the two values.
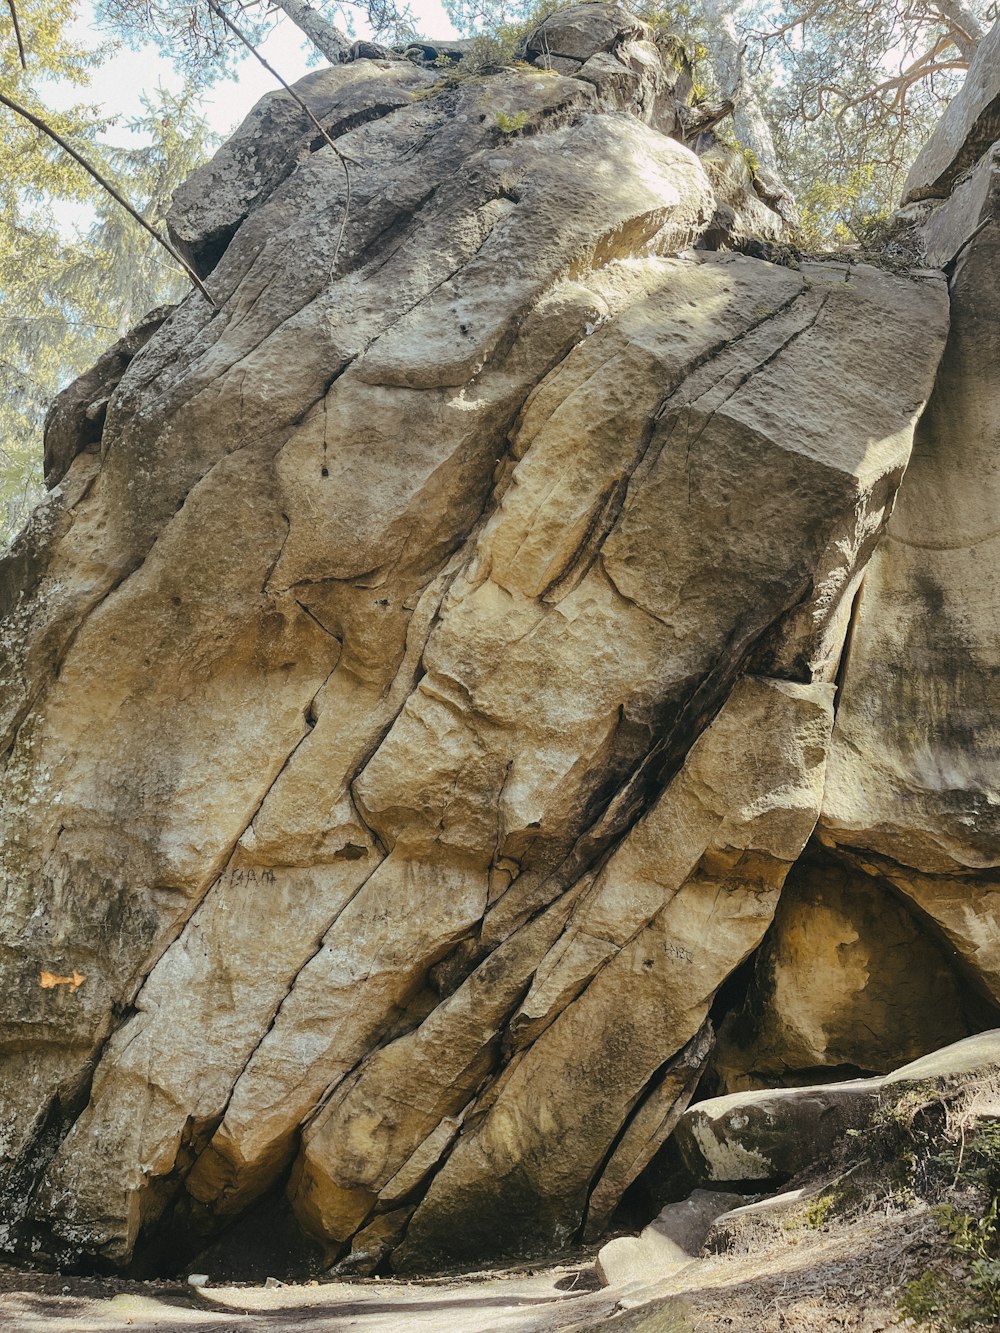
[751, 128]
[962, 25]
[323, 34]
[749, 122]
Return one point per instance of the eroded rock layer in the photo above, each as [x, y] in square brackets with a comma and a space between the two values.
[415, 699]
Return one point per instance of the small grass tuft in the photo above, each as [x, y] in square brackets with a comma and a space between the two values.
[511, 124]
[818, 1211]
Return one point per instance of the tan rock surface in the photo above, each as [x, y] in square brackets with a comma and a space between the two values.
[813, 1257]
[970, 123]
[913, 789]
[846, 977]
[411, 714]
[664, 926]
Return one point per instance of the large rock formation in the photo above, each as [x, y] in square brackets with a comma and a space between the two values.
[414, 701]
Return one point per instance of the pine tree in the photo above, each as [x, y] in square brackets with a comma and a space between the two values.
[34, 178]
[64, 297]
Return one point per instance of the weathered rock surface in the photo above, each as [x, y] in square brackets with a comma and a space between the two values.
[810, 1256]
[672, 1239]
[970, 124]
[913, 786]
[847, 980]
[412, 712]
[75, 422]
[759, 1140]
[631, 978]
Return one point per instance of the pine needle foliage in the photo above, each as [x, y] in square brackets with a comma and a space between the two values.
[68, 292]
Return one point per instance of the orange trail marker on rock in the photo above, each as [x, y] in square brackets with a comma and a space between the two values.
[50, 979]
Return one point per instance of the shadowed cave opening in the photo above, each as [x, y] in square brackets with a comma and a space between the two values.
[941, 1004]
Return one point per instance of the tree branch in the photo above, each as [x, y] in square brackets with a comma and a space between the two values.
[922, 68]
[105, 184]
[962, 24]
[17, 33]
[796, 21]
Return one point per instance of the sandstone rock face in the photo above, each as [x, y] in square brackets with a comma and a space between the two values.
[76, 420]
[412, 711]
[846, 979]
[970, 124]
[913, 786]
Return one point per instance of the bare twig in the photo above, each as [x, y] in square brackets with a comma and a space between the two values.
[216, 9]
[796, 21]
[920, 69]
[105, 184]
[17, 32]
[47, 319]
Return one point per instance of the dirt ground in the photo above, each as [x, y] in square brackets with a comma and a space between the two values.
[835, 1253]
[776, 1278]
[33, 1302]
[848, 1277]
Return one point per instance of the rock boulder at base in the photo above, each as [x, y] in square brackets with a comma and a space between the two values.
[758, 1140]
[671, 1240]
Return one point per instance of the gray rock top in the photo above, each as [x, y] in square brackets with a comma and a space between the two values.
[969, 125]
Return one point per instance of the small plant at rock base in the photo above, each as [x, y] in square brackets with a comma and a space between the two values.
[952, 1303]
[752, 161]
[976, 1160]
[818, 1211]
[928, 1299]
[511, 124]
[432, 90]
[488, 52]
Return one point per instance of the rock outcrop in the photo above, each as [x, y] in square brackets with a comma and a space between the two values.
[913, 786]
[813, 1255]
[412, 708]
[969, 127]
[888, 943]
[759, 1140]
